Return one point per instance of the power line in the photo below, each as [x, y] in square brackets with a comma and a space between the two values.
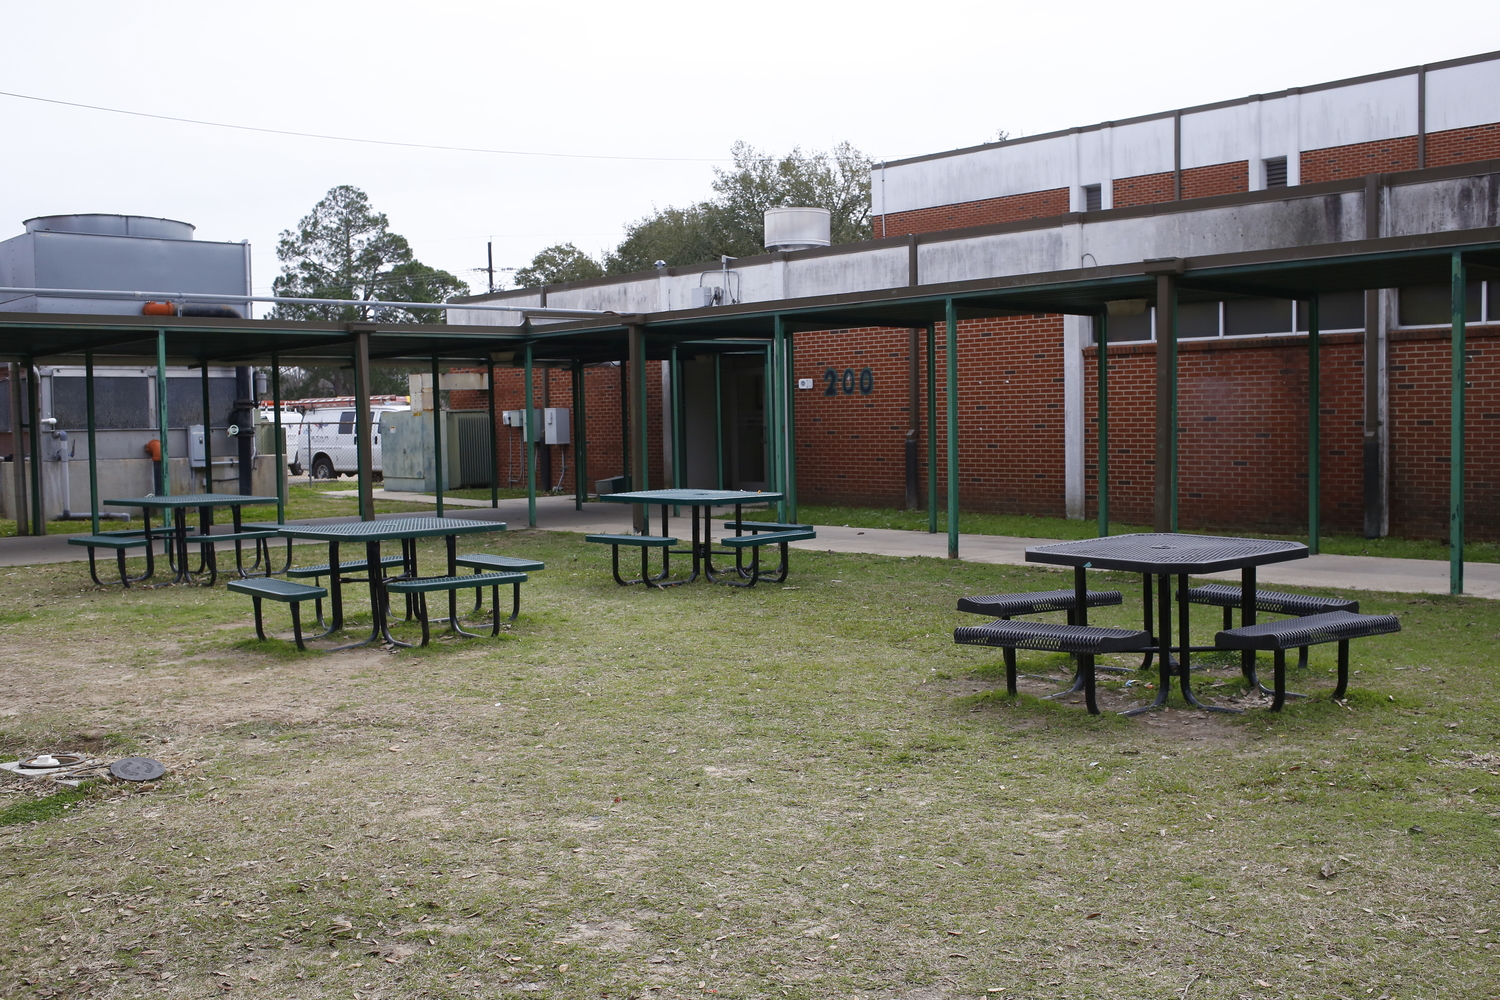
[346, 138]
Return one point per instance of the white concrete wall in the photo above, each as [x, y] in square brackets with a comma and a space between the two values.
[1463, 96]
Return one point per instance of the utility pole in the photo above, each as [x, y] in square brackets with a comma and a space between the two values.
[490, 251]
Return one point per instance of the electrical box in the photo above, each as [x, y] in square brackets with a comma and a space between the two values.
[195, 447]
[556, 425]
[517, 418]
[704, 296]
[804, 383]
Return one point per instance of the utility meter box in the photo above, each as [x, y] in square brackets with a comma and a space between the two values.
[517, 419]
[556, 425]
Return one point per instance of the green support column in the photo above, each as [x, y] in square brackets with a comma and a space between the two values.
[280, 441]
[790, 384]
[932, 488]
[768, 408]
[437, 435]
[1314, 430]
[1456, 432]
[34, 425]
[951, 314]
[776, 398]
[364, 443]
[580, 439]
[161, 411]
[88, 394]
[489, 377]
[1101, 325]
[679, 476]
[719, 416]
[1165, 507]
[208, 448]
[529, 444]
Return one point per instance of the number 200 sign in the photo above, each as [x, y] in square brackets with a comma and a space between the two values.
[846, 382]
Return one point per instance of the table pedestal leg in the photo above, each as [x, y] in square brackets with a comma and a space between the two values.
[1185, 671]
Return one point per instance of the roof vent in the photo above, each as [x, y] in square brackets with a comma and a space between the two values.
[798, 228]
[101, 224]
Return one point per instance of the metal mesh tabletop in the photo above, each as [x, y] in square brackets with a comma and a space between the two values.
[1163, 552]
[194, 500]
[390, 528]
[688, 498]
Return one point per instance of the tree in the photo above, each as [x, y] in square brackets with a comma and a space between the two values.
[556, 264]
[343, 249]
[733, 222]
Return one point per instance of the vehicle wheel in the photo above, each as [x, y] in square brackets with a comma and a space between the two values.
[295, 469]
[322, 468]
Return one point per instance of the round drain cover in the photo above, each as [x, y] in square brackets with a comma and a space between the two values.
[45, 760]
[137, 769]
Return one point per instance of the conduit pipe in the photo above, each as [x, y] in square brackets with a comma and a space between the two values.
[102, 293]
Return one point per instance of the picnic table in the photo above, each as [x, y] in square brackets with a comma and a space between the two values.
[1163, 555]
[406, 530]
[701, 504]
[176, 538]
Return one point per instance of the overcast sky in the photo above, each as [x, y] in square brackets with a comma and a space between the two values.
[635, 103]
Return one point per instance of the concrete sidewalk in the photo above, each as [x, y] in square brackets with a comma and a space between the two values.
[1340, 573]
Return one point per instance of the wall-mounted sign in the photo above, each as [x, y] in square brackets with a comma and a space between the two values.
[848, 383]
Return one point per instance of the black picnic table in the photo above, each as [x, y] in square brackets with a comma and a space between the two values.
[1163, 555]
[698, 501]
[175, 535]
[404, 529]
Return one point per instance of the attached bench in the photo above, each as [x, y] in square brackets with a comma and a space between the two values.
[421, 587]
[1229, 597]
[754, 542]
[320, 570]
[763, 526]
[269, 588]
[1087, 641]
[120, 542]
[645, 543]
[1009, 606]
[258, 534]
[485, 563]
[1309, 630]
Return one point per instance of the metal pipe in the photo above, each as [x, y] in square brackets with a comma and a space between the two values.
[107, 293]
[489, 381]
[1102, 342]
[1314, 430]
[437, 432]
[1459, 294]
[88, 396]
[17, 459]
[161, 412]
[280, 442]
[951, 315]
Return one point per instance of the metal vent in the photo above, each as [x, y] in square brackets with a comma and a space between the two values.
[1093, 197]
[1275, 172]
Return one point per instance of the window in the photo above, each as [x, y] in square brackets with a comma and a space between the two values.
[1197, 319]
[1093, 197]
[346, 422]
[1336, 311]
[1123, 329]
[1431, 305]
[1275, 168]
[1248, 317]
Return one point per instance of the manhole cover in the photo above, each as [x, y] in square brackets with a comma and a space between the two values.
[51, 760]
[137, 769]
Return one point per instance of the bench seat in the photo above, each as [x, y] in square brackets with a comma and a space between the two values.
[643, 542]
[120, 542]
[1308, 630]
[271, 589]
[422, 586]
[754, 542]
[1229, 597]
[763, 526]
[1036, 603]
[352, 566]
[1087, 641]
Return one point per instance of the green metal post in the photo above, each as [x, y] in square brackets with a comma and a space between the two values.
[674, 406]
[437, 436]
[768, 409]
[581, 434]
[364, 444]
[161, 411]
[932, 488]
[777, 399]
[789, 384]
[1314, 430]
[1101, 324]
[719, 416]
[88, 392]
[34, 423]
[951, 314]
[280, 441]
[1164, 512]
[208, 448]
[529, 444]
[1456, 432]
[489, 376]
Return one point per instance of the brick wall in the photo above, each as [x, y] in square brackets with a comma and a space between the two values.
[1143, 189]
[1340, 162]
[1463, 145]
[1419, 377]
[990, 211]
[1217, 178]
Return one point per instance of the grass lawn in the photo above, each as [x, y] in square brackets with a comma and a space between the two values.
[804, 791]
[1030, 526]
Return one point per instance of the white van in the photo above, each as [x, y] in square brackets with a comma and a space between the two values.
[323, 443]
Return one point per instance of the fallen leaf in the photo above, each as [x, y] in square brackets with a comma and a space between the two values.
[1262, 983]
